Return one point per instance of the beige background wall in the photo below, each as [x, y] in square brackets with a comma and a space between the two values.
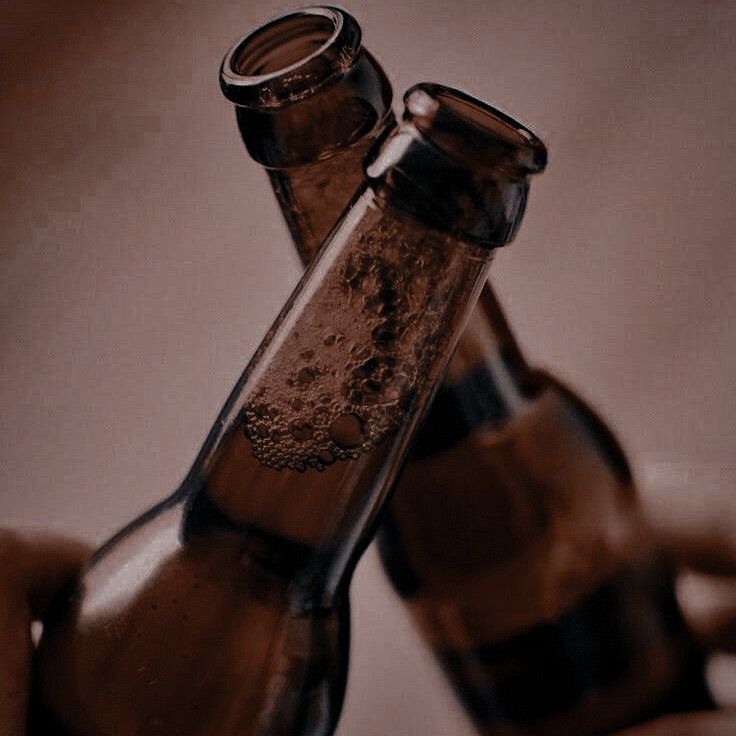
[142, 256]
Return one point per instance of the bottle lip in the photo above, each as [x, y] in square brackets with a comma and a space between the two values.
[242, 76]
[474, 131]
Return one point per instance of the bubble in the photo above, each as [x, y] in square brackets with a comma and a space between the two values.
[347, 431]
[301, 431]
[306, 376]
[369, 366]
[346, 376]
[326, 457]
[371, 387]
[385, 334]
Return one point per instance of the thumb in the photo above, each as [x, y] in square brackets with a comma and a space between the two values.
[35, 566]
[692, 510]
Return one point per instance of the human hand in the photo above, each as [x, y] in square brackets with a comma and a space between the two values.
[33, 568]
[693, 514]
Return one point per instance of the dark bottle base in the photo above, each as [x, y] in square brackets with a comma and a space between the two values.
[621, 657]
[690, 693]
[222, 569]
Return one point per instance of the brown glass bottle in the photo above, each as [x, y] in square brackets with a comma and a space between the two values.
[288, 79]
[223, 610]
[516, 539]
[515, 534]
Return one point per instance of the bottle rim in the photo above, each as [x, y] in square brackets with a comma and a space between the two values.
[472, 130]
[247, 80]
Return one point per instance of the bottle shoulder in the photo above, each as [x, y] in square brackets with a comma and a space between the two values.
[534, 507]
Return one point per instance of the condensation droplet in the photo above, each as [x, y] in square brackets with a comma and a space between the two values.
[326, 457]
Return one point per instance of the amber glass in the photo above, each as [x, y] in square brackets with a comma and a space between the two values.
[224, 609]
[515, 534]
[287, 79]
[516, 539]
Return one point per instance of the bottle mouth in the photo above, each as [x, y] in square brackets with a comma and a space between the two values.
[458, 164]
[290, 57]
[473, 131]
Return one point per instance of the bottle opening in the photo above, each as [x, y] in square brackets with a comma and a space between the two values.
[281, 44]
[290, 57]
[472, 130]
[457, 164]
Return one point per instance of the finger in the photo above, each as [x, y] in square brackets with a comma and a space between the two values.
[712, 723]
[35, 566]
[709, 605]
[16, 647]
[722, 678]
[692, 510]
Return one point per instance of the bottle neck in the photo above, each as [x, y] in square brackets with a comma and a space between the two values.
[309, 130]
[313, 148]
[314, 433]
[487, 382]
[313, 196]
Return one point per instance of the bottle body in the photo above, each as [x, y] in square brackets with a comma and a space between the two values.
[516, 538]
[202, 635]
[224, 609]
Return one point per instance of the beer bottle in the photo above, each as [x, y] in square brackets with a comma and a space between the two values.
[515, 535]
[516, 538]
[310, 102]
[224, 609]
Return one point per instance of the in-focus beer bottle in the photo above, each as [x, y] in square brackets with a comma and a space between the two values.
[223, 610]
[515, 535]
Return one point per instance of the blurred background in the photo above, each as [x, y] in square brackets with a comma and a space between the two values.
[142, 255]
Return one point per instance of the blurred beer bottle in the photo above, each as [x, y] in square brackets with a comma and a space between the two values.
[224, 610]
[515, 534]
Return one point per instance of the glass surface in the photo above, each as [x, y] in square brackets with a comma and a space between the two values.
[234, 590]
[517, 540]
[513, 484]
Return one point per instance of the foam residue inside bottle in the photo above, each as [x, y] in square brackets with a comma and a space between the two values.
[348, 372]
